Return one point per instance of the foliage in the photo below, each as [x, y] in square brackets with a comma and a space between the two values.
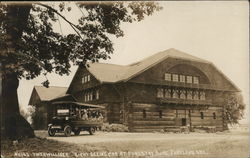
[41, 50]
[234, 108]
[114, 128]
[28, 114]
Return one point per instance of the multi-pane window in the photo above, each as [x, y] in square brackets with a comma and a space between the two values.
[196, 80]
[91, 95]
[175, 78]
[189, 79]
[175, 93]
[182, 78]
[167, 93]
[202, 95]
[183, 94]
[85, 78]
[196, 95]
[160, 93]
[167, 76]
[189, 94]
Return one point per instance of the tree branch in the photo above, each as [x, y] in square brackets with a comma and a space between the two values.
[55, 11]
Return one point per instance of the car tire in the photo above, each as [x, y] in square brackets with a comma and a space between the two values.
[91, 130]
[67, 131]
[51, 132]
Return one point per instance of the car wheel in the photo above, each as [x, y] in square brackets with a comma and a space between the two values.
[77, 132]
[51, 132]
[91, 130]
[67, 131]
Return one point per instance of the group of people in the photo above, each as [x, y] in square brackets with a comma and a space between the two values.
[86, 114]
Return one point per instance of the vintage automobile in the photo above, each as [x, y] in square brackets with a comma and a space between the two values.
[75, 117]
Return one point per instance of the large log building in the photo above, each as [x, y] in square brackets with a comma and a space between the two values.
[168, 89]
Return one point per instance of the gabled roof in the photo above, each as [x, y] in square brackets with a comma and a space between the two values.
[50, 93]
[114, 73]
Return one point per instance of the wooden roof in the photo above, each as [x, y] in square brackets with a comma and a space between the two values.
[115, 73]
[52, 92]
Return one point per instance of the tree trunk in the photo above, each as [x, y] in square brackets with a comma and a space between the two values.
[13, 125]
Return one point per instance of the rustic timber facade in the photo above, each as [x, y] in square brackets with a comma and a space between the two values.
[169, 89]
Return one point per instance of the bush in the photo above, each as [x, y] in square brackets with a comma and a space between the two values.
[114, 128]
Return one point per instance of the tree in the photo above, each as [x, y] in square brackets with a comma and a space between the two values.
[234, 109]
[31, 47]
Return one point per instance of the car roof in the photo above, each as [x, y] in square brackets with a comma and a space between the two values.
[78, 103]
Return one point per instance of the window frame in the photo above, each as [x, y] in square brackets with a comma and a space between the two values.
[175, 77]
[194, 79]
[168, 76]
[181, 77]
[189, 77]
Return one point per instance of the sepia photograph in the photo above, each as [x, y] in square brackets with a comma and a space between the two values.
[124, 79]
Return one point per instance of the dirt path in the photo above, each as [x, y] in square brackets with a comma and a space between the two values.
[105, 137]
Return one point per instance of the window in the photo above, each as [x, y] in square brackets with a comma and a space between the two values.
[167, 76]
[175, 78]
[90, 96]
[159, 92]
[196, 95]
[160, 114]
[196, 80]
[182, 78]
[144, 113]
[175, 93]
[167, 93]
[189, 94]
[214, 115]
[88, 78]
[85, 78]
[202, 115]
[97, 94]
[85, 97]
[202, 95]
[94, 95]
[189, 79]
[183, 94]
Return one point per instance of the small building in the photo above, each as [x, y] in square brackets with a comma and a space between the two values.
[41, 98]
[166, 90]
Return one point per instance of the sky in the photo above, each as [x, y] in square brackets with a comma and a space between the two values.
[217, 31]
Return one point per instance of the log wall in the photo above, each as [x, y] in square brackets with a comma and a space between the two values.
[154, 121]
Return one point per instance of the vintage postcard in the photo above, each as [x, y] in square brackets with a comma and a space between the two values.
[133, 79]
